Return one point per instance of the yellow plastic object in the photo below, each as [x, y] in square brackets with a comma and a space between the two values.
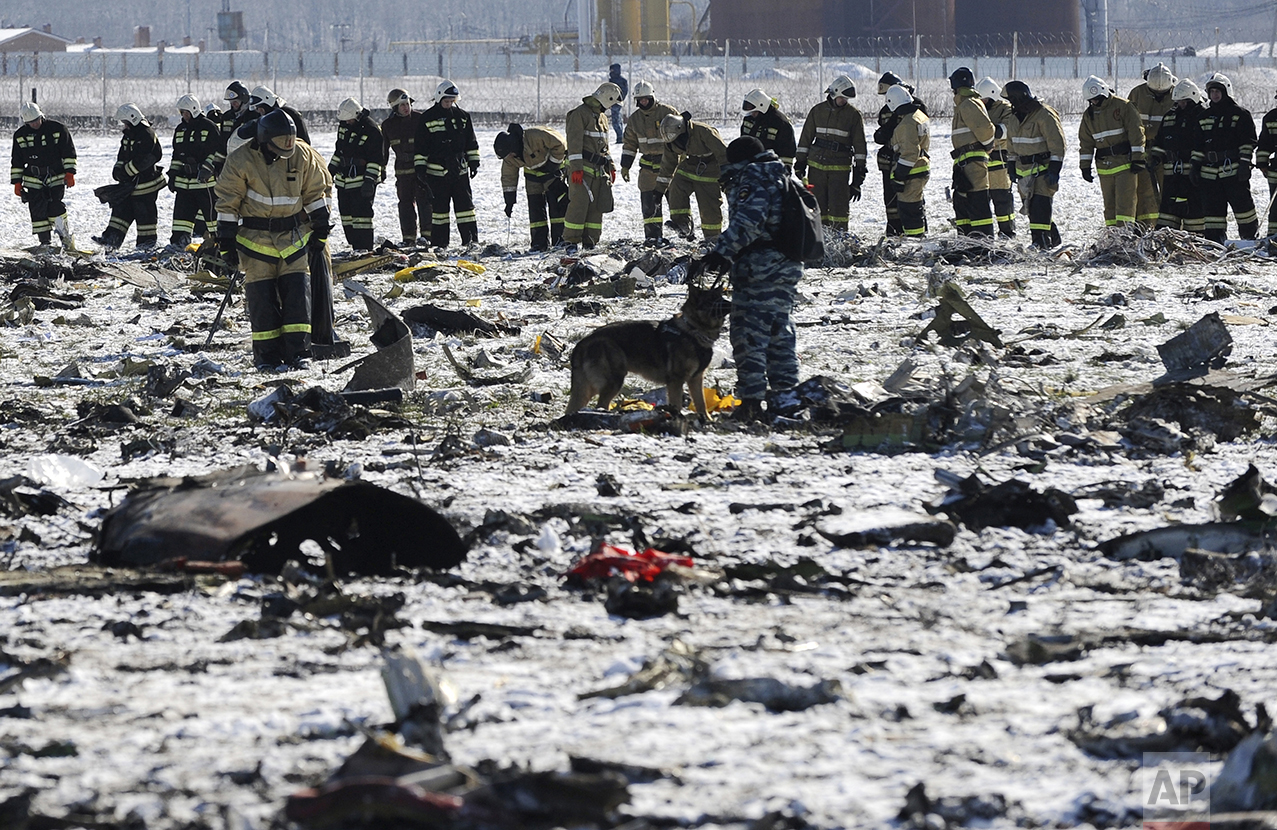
[472, 267]
[716, 403]
[410, 274]
[474, 303]
[193, 247]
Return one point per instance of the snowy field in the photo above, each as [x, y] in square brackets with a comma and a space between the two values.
[177, 730]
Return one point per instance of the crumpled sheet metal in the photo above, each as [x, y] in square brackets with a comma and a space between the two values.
[261, 520]
[392, 363]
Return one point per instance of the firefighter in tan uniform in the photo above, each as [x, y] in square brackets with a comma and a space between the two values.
[1037, 142]
[541, 152]
[831, 150]
[1152, 100]
[592, 169]
[271, 206]
[1004, 122]
[1113, 135]
[911, 145]
[643, 139]
[973, 135]
[694, 154]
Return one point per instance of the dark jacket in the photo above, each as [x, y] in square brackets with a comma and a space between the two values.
[138, 159]
[614, 75]
[774, 130]
[41, 157]
[445, 143]
[196, 143]
[358, 154]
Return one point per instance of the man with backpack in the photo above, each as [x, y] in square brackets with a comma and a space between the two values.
[764, 279]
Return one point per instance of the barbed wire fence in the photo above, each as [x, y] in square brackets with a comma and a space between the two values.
[517, 80]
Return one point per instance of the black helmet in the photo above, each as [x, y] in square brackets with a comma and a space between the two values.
[1017, 92]
[744, 148]
[274, 124]
[509, 142]
[887, 81]
[236, 91]
[961, 78]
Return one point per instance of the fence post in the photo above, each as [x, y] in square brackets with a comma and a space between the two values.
[1015, 52]
[917, 58]
[1113, 59]
[820, 62]
[104, 90]
[231, 60]
[188, 73]
[361, 77]
[629, 99]
[540, 63]
[727, 53]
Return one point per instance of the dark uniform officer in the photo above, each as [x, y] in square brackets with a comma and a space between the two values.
[764, 280]
[399, 132]
[42, 167]
[765, 122]
[136, 163]
[1266, 160]
[237, 109]
[357, 169]
[447, 157]
[542, 153]
[1179, 133]
[198, 151]
[1228, 143]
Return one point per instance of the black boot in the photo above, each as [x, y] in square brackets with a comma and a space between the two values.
[110, 239]
[45, 237]
[266, 320]
[179, 241]
[750, 409]
[294, 301]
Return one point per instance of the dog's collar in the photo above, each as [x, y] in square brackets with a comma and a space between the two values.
[679, 324]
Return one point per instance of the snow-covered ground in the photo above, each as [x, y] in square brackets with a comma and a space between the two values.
[163, 726]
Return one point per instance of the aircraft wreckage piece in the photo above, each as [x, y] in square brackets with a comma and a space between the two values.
[392, 364]
[261, 520]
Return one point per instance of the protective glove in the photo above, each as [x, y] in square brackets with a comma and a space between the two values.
[855, 193]
[69, 179]
[1243, 170]
[474, 170]
[333, 167]
[961, 184]
[1053, 173]
[715, 263]
[1087, 175]
[206, 173]
[800, 169]
[1262, 167]
[172, 181]
[857, 181]
[368, 189]
[17, 189]
[612, 175]
[510, 198]
[318, 238]
[625, 174]
[577, 177]
[228, 251]
[898, 185]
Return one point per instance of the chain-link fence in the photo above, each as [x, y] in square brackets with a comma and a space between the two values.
[517, 80]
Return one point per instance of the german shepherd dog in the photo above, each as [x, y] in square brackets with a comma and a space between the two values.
[674, 352]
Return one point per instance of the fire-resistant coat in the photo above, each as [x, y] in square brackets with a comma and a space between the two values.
[1037, 141]
[1152, 107]
[249, 187]
[643, 138]
[42, 157]
[1112, 135]
[833, 138]
[357, 158]
[774, 130]
[699, 160]
[544, 150]
[587, 140]
[196, 143]
[140, 153]
[399, 134]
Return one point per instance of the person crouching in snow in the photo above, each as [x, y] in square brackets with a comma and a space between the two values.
[764, 280]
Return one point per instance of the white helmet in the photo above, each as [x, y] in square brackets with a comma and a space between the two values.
[842, 87]
[1220, 80]
[398, 96]
[130, 114]
[672, 127]
[642, 89]
[262, 96]
[898, 96]
[348, 110]
[608, 94]
[1094, 87]
[210, 108]
[189, 103]
[988, 88]
[29, 111]
[1160, 78]
[446, 89]
[1186, 90]
[755, 100]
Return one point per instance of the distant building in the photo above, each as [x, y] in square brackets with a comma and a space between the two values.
[31, 40]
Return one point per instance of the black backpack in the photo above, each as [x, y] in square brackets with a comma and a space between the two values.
[802, 237]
